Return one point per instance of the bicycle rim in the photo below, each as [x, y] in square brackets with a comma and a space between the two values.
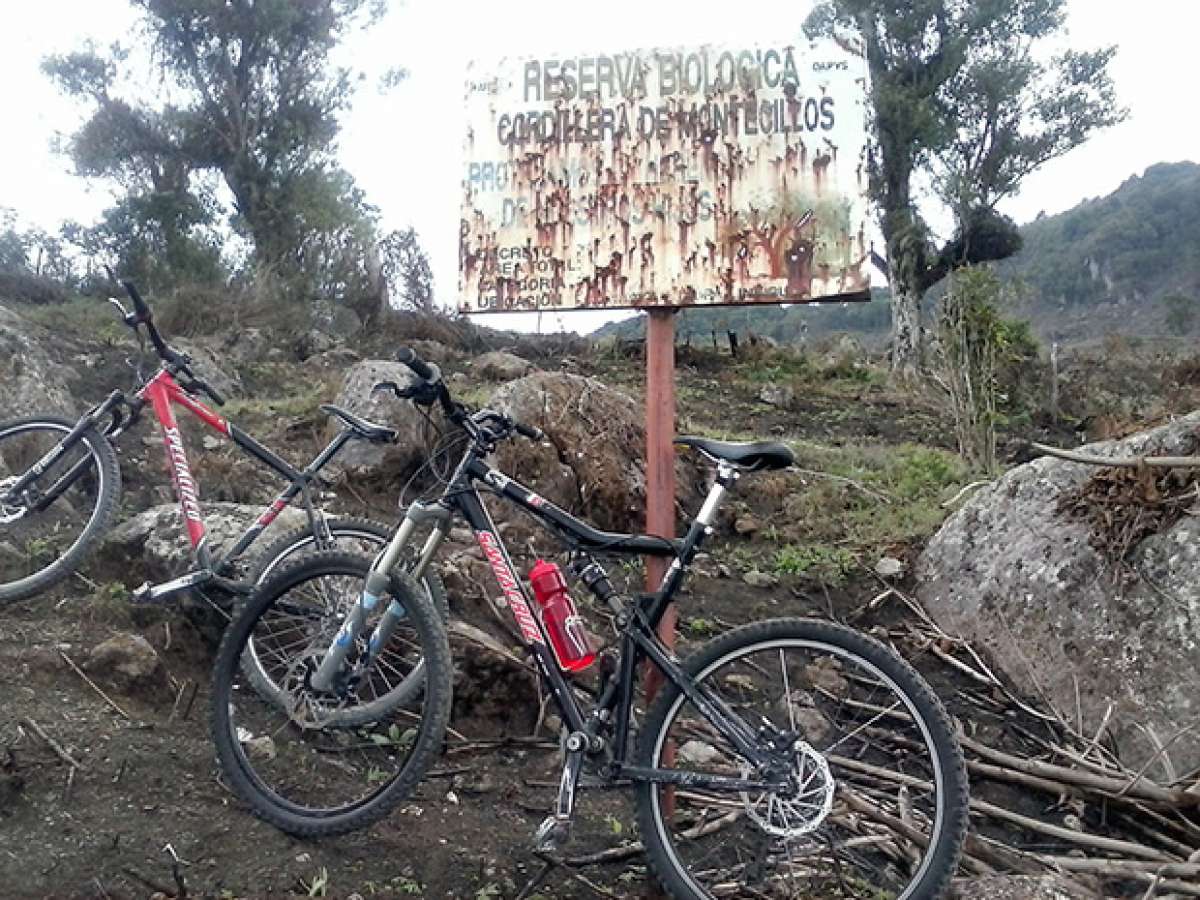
[868, 811]
[307, 753]
[40, 546]
[388, 688]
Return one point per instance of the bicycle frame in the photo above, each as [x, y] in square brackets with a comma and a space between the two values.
[637, 620]
[162, 393]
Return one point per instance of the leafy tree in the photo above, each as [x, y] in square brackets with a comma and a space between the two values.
[407, 271]
[959, 91]
[12, 242]
[33, 266]
[249, 97]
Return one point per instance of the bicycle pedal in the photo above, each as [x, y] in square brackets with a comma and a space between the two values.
[142, 595]
[552, 834]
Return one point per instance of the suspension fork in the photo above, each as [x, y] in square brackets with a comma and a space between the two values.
[378, 583]
[88, 420]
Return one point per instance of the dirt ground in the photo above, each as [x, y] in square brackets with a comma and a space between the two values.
[147, 789]
[143, 811]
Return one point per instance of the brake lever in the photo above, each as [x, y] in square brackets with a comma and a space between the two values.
[380, 386]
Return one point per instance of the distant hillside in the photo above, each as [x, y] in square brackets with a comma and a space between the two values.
[1116, 264]
[786, 324]
[1110, 263]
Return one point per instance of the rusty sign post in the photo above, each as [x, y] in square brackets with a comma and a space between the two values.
[660, 484]
[667, 177]
[660, 456]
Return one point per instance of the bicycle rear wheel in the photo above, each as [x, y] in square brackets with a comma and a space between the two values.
[876, 804]
[48, 526]
[307, 761]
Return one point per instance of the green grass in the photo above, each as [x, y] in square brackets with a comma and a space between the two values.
[295, 406]
[865, 499]
[823, 562]
[88, 317]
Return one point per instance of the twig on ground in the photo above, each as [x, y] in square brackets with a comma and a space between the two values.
[52, 744]
[966, 489]
[850, 481]
[571, 873]
[103, 696]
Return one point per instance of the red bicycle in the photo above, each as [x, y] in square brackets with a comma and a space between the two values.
[60, 485]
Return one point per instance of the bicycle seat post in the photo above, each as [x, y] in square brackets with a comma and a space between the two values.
[727, 476]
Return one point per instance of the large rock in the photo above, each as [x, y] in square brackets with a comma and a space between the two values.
[126, 662]
[1012, 572]
[211, 364]
[30, 381]
[361, 457]
[156, 542]
[594, 463]
[501, 366]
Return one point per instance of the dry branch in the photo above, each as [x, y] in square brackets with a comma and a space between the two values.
[103, 696]
[52, 744]
[1131, 462]
[1113, 787]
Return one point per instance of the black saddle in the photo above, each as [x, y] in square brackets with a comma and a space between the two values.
[360, 426]
[754, 455]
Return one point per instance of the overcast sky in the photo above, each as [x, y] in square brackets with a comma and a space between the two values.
[404, 145]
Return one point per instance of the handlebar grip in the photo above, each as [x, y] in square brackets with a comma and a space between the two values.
[407, 356]
[139, 305]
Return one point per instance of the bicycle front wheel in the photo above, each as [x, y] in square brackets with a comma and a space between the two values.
[360, 537]
[876, 798]
[52, 521]
[304, 759]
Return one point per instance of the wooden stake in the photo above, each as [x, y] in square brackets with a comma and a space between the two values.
[660, 482]
[660, 457]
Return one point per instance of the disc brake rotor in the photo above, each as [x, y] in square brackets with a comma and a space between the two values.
[807, 805]
[9, 512]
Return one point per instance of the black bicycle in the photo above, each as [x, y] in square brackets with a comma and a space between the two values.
[789, 757]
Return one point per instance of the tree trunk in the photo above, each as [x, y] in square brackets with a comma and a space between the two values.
[906, 332]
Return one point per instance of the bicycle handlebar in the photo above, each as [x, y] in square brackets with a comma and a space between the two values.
[142, 315]
[433, 389]
[419, 367]
[529, 431]
[139, 305]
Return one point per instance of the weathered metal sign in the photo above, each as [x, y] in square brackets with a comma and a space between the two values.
[666, 178]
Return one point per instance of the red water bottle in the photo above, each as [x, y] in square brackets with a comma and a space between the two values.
[568, 637]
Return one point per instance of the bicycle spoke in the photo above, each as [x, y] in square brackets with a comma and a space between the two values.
[824, 836]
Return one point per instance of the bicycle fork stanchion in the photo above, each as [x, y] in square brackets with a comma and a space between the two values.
[377, 585]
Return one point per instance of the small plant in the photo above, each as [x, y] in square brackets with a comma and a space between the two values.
[394, 737]
[318, 886]
[700, 627]
[408, 886]
[489, 890]
[779, 367]
[922, 472]
[828, 564]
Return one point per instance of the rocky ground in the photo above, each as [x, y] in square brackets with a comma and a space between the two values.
[108, 787]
